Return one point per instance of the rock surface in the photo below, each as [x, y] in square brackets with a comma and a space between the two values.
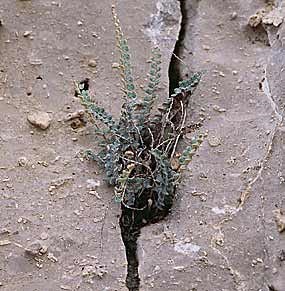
[49, 192]
[222, 234]
[234, 228]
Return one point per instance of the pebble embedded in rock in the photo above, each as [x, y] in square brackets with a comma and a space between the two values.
[29, 91]
[22, 161]
[44, 236]
[115, 65]
[34, 248]
[93, 184]
[40, 119]
[233, 15]
[214, 141]
[255, 19]
[65, 287]
[218, 108]
[52, 257]
[27, 33]
[92, 63]
[4, 242]
[279, 219]
[206, 47]
[44, 250]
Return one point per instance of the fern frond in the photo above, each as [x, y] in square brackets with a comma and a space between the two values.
[94, 110]
[188, 85]
[122, 181]
[150, 91]
[189, 151]
[165, 179]
[125, 63]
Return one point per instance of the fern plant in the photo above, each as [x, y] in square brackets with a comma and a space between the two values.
[138, 148]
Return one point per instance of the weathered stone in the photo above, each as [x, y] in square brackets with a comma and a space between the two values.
[40, 119]
[34, 248]
[22, 161]
[92, 63]
[279, 219]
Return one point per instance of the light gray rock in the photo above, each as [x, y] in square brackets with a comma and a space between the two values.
[40, 119]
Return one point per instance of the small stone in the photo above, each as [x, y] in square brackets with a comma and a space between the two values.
[44, 236]
[179, 268]
[219, 109]
[22, 161]
[44, 249]
[65, 287]
[214, 141]
[34, 248]
[27, 33]
[255, 20]
[259, 260]
[206, 47]
[219, 239]
[92, 63]
[29, 91]
[92, 184]
[233, 15]
[115, 65]
[52, 258]
[4, 242]
[281, 256]
[79, 23]
[36, 62]
[279, 219]
[40, 119]
[156, 269]
[234, 72]
[221, 74]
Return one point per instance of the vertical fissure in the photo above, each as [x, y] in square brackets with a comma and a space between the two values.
[132, 221]
[175, 70]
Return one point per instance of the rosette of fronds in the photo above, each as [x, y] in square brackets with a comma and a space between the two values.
[137, 149]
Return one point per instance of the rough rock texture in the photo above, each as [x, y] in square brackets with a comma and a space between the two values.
[44, 46]
[40, 119]
[222, 234]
